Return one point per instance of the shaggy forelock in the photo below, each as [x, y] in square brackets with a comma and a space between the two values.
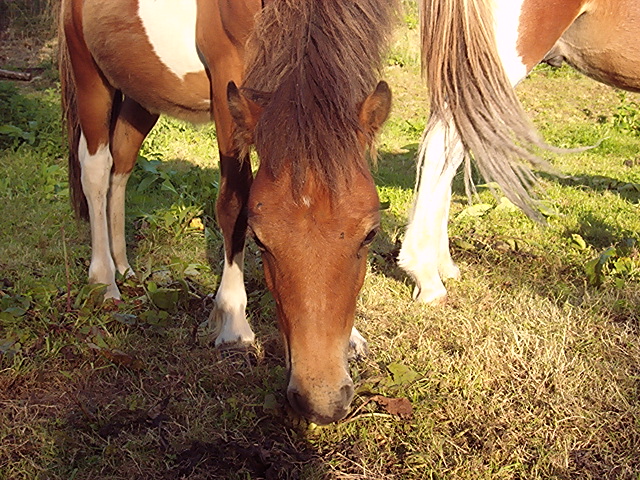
[312, 63]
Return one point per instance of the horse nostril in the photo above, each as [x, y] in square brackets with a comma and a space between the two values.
[346, 393]
[297, 402]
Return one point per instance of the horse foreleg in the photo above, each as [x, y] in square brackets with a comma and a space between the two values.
[229, 315]
[425, 250]
[132, 125]
[228, 318]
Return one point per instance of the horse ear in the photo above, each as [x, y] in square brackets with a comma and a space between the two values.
[245, 112]
[375, 109]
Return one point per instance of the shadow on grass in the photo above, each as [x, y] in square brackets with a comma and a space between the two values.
[599, 183]
[131, 391]
[152, 401]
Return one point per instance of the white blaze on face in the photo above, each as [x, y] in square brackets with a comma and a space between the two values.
[170, 26]
[506, 14]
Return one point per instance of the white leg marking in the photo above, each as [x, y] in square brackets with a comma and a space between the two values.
[171, 29]
[446, 266]
[358, 348]
[425, 249]
[116, 206]
[228, 317]
[96, 170]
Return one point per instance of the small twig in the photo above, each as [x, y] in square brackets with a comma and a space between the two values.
[66, 268]
[367, 415]
[355, 412]
[24, 76]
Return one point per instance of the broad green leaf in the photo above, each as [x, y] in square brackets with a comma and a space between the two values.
[401, 374]
[16, 311]
[506, 205]
[145, 183]
[478, 210]
[548, 209]
[578, 241]
[270, 403]
[165, 298]
[463, 244]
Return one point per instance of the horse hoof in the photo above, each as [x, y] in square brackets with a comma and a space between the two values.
[434, 297]
[127, 273]
[358, 347]
[112, 293]
[226, 331]
[450, 271]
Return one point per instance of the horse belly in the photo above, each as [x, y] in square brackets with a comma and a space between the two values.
[147, 49]
[603, 43]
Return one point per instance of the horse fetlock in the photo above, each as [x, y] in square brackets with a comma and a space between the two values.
[104, 273]
[449, 270]
[430, 294]
[230, 328]
[358, 347]
[429, 288]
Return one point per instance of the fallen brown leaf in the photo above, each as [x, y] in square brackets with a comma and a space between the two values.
[395, 406]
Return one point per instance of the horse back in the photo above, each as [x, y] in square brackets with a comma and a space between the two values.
[148, 49]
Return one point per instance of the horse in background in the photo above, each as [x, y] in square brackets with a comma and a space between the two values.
[309, 105]
[474, 52]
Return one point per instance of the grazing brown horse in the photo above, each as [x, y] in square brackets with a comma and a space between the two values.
[307, 69]
[474, 52]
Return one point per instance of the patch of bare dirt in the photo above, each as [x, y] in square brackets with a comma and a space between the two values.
[26, 54]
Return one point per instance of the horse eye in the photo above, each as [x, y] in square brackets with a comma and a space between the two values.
[370, 236]
[259, 243]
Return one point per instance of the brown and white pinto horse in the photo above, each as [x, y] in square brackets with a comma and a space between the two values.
[474, 52]
[307, 69]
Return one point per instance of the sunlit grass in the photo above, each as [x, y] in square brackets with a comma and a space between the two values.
[529, 371]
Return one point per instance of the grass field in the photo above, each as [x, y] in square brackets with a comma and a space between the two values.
[531, 370]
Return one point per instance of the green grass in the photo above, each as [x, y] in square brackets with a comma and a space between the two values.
[529, 371]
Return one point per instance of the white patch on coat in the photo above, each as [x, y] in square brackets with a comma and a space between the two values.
[306, 201]
[506, 15]
[358, 348]
[170, 26]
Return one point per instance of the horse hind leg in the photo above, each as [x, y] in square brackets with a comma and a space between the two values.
[96, 161]
[425, 252]
[132, 125]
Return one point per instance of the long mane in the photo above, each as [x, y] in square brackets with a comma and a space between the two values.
[310, 63]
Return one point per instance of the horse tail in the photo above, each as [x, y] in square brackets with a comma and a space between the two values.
[72, 121]
[470, 89]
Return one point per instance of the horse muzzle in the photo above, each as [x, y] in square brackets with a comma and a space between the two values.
[321, 405]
